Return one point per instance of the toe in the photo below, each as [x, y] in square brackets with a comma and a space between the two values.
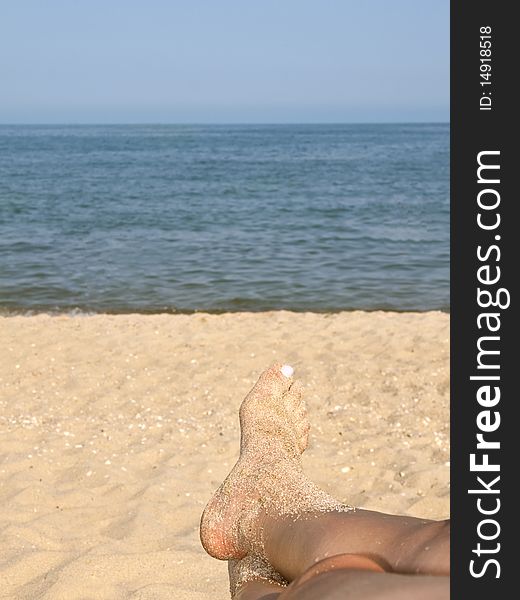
[293, 397]
[301, 411]
[303, 439]
[276, 380]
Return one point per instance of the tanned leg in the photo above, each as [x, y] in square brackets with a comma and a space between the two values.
[268, 508]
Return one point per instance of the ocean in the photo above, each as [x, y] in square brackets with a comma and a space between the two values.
[181, 218]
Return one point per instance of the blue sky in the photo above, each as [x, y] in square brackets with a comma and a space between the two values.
[224, 61]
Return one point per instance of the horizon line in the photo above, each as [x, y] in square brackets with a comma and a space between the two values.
[205, 123]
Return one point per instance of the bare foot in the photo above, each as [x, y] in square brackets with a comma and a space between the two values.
[253, 568]
[267, 479]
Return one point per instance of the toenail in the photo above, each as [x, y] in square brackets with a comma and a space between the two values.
[287, 370]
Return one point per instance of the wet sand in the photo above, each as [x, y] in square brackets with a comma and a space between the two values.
[115, 431]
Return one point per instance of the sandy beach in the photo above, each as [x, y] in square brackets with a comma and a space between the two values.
[116, 430]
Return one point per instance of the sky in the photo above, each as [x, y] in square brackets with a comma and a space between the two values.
[224, 61]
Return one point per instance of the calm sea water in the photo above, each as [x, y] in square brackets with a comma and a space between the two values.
[181, 218]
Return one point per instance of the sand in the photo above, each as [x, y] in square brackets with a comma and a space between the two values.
[116, 430]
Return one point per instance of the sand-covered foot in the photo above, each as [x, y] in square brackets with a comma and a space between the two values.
[273, 416]
[252, 568]
[267, 479]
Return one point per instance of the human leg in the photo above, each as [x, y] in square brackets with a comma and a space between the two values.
[342, 577]
[398, 544]
[267, 506]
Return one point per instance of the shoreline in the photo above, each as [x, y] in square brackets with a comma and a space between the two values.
[116, 429]
[76, 312]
